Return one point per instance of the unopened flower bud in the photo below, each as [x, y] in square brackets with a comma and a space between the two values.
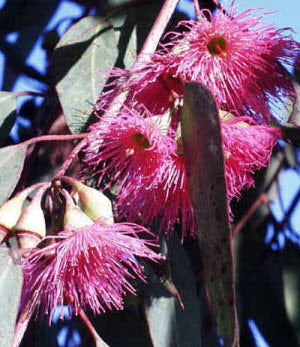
[74, 215]
[10, 211]
[93, 202]
[31, 226]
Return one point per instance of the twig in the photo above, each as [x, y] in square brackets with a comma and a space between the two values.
[197, 9]
[98, 341]
[52, 138]
[261, 199]
[70, 158]
[43, 95]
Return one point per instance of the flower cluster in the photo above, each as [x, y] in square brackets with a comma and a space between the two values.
[84, 259]
[238, 58]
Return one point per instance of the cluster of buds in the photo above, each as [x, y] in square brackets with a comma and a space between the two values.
[81, 258]
[26, 223]
[139, 148]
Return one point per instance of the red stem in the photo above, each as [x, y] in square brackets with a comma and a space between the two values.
[30, 94]
[52, 138]
[197, 9]
[70, 158]
[98, 341]
[261, 199]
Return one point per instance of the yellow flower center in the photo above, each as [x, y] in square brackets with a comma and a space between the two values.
[141, 141]
[217, 46]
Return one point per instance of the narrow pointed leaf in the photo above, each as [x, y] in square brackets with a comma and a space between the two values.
[11, 165]
[10, 291]
[8, 107]
[169, 324]
[80, 63]
[203, 152]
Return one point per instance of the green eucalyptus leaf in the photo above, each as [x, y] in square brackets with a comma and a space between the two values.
[169, 323]
[203, 152]
[125, 32]
[290, 153]
[10, 292]
[80, 63]
[8, 107]
[11, 165]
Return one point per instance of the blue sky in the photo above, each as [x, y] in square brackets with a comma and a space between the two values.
[286, 13]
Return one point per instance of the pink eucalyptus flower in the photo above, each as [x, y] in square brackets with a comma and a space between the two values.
[236, 56]
[86, 267]
[166, 201]
[127, 147]
[247, 148]
[154, 85]
[150, 84]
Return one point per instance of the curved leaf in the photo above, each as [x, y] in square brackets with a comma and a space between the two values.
[203, 152]
[8, 107]
[11, 164]
[169, 324]
[10, 291]
[79, 65]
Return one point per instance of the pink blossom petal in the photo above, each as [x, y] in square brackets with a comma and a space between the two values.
[90, 266]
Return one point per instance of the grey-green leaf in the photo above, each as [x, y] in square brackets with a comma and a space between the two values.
[10, 291]
[8, 107]
[126, 36]
[169, 324]
[203, 152]
[80, 63]
[11, 165]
